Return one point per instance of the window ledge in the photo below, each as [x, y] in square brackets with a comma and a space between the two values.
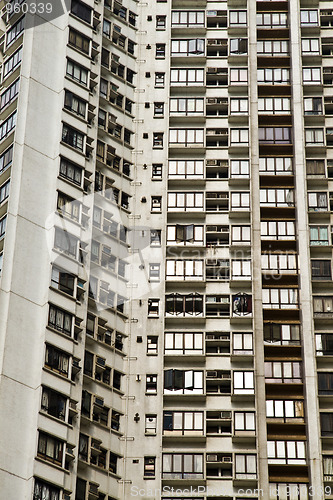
[71, 183]
[62, 377]
[55, 419]
[63, 294]
[78, 151]
[46, 462]
[75, 115]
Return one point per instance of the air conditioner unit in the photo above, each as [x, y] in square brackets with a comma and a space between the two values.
[210, 336]
[226, 414]
[223, 229]
[212, 42]
[226, 459]
[225, 375]
[211, 373]
[100, 361]
[212, 70]
[211, 163]
[211, 13]
[223, 196]
[211, 262]
[99, 401]
[212, 458]
[212, 100]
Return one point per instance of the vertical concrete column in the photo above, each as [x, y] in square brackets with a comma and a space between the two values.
[256, 255]
[305, 289]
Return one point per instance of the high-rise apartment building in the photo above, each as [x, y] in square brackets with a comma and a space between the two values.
[166, 200]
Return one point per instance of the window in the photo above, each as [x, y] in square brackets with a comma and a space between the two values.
[324, 344]
[186, 169]
[323, 304]
[242, 343]
[239, 169]
[243, 382]
[57, 360]
[182, 423]
[311, 76]
[185, 202]
[183, 382]
[77, 72]
[45, 491]
[186, 137]
[241, 304]
[310, 46]
[309, 18]
[278, 230]
[286, 452]
[238, 76]
[182, 466]
[50, 448]
[239, 136]
[79, 41]
[240, 201]
[276, 166]
[238, 46]
[240, 235]
[159, 80]
[315, 167]
[245, 466]
[158, 109]
[1, 262]
[7, 126]
[321, 270]
[241, 269]
[81, 10]
[277, 198]
[187, 343]
[285, 409]
[182, 235]
[273, 76]
[244, 422]
[155, 237]
[152, 344]
[283, 372]
[273, 47]
[325, 383]
[151, 424]
[72, 137]
[153, 307]
[274, 20]
[237, 18]
[65, 242]
[151, 384]
[274, 135]
[313, 106]
[326, 423]
[314, 136]
[53, 403]
[154, 272]
[68, 207]
[4, 191]
[75, 104]
[282, 334]
[60, 320]
[184, 270]
[280, 298]
[14, 32]
[328, 468]
[188, 19]
[70, 171]
[106, 28]
[194, 47]
[149, 467]
[274, 105]
[9, 94]
[157, 171]
[12, 62]
[160, 51]
[184, 77]
[156, 204]
[317, 202]
[186, 106]
[239, 106]
[3, 223]
[160, 22]
[63, 281]
[113, 463]
[184, 305]
[158, 140]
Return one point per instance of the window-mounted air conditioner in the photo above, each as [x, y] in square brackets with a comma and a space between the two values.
[211, 373]
[212, 458]
[99, 401]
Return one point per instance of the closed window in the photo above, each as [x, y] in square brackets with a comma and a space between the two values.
[239, 136]
[158, 109]
[154, 272]
[244, 421]
[274, 105]
[273, 47]
[240, 201]
[286, 452]
[276, 166]
[3, 223]
[182, 423]
[272, 20]
[239, 106]
[283, 372]
[280, 298]
[45, 491]
[289, 491]
[309, 18]
[75, 104]
[184, 269]
[155, 237]
[149, 466]
[245, 466]
[4, 191]
[156, 204]
[57, 360]
[50, 448]
[237, 18]
[182, 466]
[278, 230]
[60, 320]
[68, 207]
[81, 10]
[323, 304]
[160, 51]
[274, 135]
[186, 137]
[184, 77]
[311, 76]
[7, 126]
[242, 343]
[9, 94]
[239, 169]
[273, 76]
[324, 344]
[325, 383]
[65, 242]
[277, 197]
[185, 202]
[240, 234]
[159, 80]
[53, 403]
[188, 19]
[12, 62]
[314, 136]
[70, 171]
[238, 76]
[186, 106]
[14, 32]
[184, 305]
[77, 72]
[72, 137]
[241, 269]
[317, 202]
[328, 467]
[279, 262]
[321, 270]
[310, 46]
[285, 409]
[326, 424]
[62, 280]
[313, 106]
[79, 41]
[243, 382]
[186, 169]
[183, 343]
